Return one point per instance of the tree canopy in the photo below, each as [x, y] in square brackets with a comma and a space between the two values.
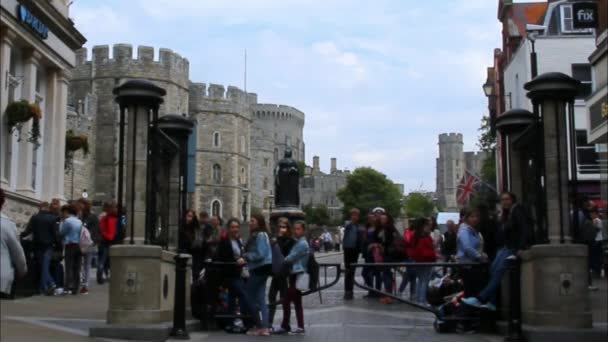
[418, 205]
[317, 215]
[367, 188]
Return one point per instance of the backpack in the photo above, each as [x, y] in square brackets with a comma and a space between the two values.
[85, 242]
[121, 224]
[313, 272]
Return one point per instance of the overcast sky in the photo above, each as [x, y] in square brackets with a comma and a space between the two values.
[378, 80]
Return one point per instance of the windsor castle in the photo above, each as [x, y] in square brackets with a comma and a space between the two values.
[234, 149]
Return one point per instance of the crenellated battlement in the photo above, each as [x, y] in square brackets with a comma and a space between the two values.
[268, 111]
[201, 92]
[169, 65]
[446, 138]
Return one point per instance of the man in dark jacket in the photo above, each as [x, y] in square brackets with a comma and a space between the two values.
[450, 237]
[42, 227]
[351, 245]
[516, 231]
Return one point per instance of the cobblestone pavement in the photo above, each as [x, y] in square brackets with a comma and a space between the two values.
[328, 318]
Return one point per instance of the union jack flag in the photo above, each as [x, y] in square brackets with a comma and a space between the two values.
[466, 188]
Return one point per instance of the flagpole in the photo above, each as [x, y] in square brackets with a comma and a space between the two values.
[245, 74]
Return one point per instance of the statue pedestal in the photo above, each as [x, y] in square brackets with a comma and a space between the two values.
[291, 213]
[142, 289]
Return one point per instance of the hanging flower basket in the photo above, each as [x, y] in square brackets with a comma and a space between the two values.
[20, 112]
[75, 142]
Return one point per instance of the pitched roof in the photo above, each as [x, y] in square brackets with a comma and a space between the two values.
[522, 14]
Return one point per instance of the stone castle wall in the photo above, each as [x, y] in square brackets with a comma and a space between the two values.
[101, 74]
[80, 174]
[275, 127]
[228, 115]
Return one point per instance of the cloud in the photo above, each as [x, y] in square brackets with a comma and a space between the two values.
[377, 80]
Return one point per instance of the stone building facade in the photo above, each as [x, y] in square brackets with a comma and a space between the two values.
[238, 141]
[451, 166]
[320, 188]
[37, 53]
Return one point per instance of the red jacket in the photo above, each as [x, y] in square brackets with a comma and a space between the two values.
[108, 227]
[423, 250]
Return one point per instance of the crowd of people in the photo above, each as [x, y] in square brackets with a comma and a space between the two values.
[479, 237]
[66, 241]
[241, 269]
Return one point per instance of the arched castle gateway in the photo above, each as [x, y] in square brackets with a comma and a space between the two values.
[237, 139]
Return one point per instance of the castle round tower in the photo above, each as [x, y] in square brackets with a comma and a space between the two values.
[100, 75]
[450, 168]
[223, 149]
[274, 128]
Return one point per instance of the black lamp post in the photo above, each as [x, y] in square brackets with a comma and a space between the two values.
[139, 101]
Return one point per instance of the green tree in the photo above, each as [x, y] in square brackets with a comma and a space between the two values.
[366, 189]
[301, 168]
[418, 205]
[487, 142]
[487, 137]
[316, 215]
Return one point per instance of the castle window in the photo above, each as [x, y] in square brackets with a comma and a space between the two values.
[216, 208]
[266, 161]
[276, 155]
[265, 183]
[216, 139]
[217, 174]
[243, 144]
[243, 176]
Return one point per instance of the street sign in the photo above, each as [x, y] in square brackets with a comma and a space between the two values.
[584, 15]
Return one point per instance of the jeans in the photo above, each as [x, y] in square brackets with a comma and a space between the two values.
[497, 270]
[351, 256]
[277, 286]
[256, 292]
[44, 256]
[86, 268]
[293, 296]
[371, 276]
[236, 288]
[409, 278]
[424, 275]
[72, 266]
[102, 260]
[387, 280]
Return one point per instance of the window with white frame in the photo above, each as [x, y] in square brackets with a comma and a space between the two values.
[216, 139]
[567, 20]
[216, 208]
[217, 174]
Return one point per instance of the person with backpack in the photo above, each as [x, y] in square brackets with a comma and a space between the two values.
[70, 230]
[516, 233]
[351, 245]
[107, 225]
[91, 223]
[386, 238]
[298, 281]
[42, 227]
[258, 255]
[278, 285]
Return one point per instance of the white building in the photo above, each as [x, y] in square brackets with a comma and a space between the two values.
[36, 53]
[559, 48]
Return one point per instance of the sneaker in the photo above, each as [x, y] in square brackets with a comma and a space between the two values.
[489, 306]
[51, 291]
[263, 332]
[58, 291]
[252, 332]
[280, 331]
[472, 301]
[84, 291]
[386, 300]
[298, 332]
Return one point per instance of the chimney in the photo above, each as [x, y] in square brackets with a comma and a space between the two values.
[315, 165]
[334, 163]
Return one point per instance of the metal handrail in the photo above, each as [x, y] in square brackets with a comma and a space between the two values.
[410, 264]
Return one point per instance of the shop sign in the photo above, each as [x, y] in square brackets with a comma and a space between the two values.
[585, 15]
[28, 19]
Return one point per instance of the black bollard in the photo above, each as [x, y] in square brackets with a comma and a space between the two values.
[514, 332]
[179, 330]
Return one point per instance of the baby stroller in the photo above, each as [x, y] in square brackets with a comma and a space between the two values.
[451, 315]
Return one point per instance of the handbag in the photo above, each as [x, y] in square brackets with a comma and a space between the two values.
[302, 281]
